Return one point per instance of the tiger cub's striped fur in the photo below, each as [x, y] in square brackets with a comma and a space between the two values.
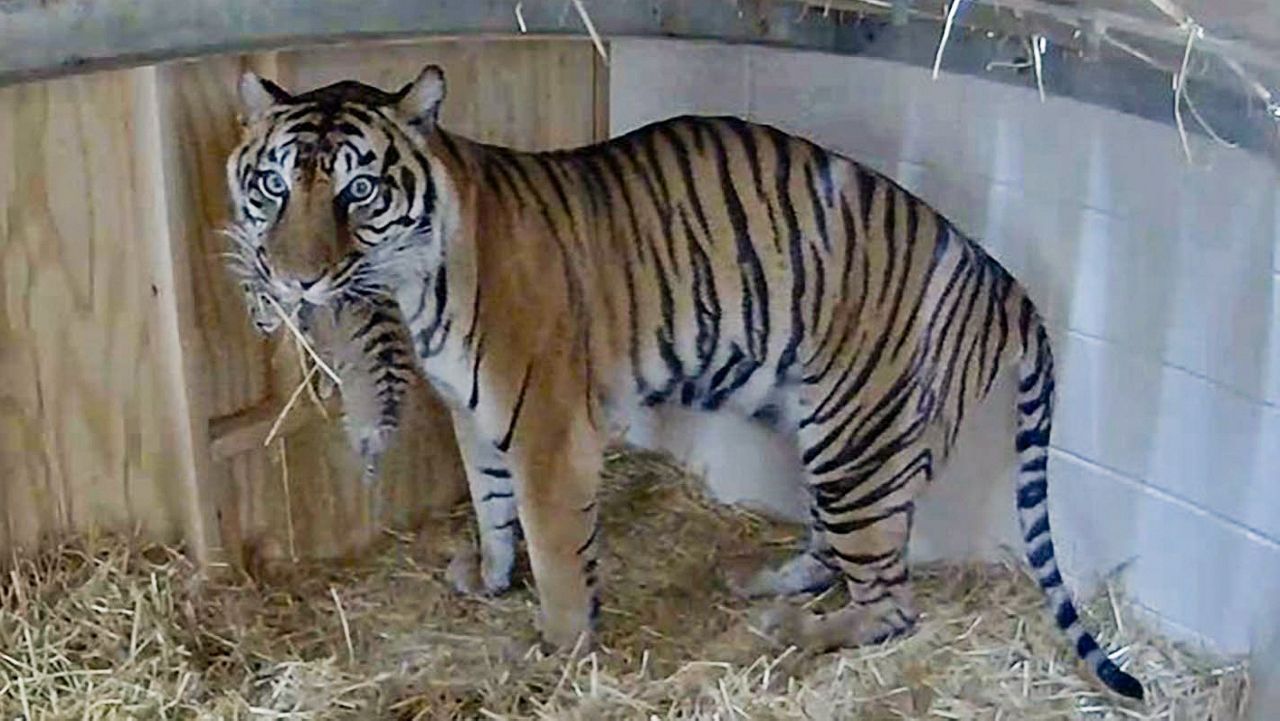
[363, 341]
[368, 349]
[708, 262]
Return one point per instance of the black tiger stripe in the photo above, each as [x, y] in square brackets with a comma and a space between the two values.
[595, 531]
[505, 443]
[873, 560]
[469, 339]
[921, 465]
[432, 339]
[496, 174]
[815, 207]
[473, 399]
[755, 288]
[819, 294]
[451, 147]
[890, 231]
[941, 244]
[386, 338]
[622, 192]
[782, 177]
[649, 170]
[706, 303]
[857, 524]
[956, 340]
[691, 187]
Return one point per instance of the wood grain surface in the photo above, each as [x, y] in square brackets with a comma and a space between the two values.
[87, 430]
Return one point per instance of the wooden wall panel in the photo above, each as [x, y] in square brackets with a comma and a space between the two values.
[529, 94]
[198, 110]
[87, 430]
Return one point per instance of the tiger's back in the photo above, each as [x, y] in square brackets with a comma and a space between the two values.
[728, 266]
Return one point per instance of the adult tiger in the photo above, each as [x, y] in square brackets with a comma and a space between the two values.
[710, 262]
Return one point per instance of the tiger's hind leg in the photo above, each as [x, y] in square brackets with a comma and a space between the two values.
[865, 502]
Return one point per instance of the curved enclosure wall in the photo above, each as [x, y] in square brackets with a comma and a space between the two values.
[134, 392]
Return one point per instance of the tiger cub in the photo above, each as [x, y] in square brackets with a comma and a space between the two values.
[363, 342]
[708, 262]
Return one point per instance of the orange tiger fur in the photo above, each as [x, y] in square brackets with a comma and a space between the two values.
[710, 262]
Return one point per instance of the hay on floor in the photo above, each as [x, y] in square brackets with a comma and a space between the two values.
[108, 628]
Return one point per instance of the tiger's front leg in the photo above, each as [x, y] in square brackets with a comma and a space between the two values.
[557, 472]
[489, 478]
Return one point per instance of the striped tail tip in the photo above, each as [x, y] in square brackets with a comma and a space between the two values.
[1119, 681]
[1086, 647]
[1035, 419]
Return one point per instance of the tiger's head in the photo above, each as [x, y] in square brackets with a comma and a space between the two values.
[333, 192]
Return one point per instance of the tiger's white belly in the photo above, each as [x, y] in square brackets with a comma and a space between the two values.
[742, 462]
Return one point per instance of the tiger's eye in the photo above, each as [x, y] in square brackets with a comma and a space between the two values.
[361, 188]
[273, 183]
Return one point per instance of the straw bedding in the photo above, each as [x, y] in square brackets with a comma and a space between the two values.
[102, 628]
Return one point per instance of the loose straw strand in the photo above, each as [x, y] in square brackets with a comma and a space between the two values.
[591, 30]
[288, 406]
[288, 502]
[303, 340]
[1195, 113]
[346, 628]
[520, 17]
[306, 371]
[1038, 44]
[1179, 87]
[946, 34]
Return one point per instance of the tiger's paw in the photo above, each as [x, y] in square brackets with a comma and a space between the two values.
[568, 635]
[849, 627]
[470, 577]
[784, 623]
[801, 574]
[746, 577]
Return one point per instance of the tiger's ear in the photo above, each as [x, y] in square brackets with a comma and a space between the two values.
[420, 100]
[257, 96]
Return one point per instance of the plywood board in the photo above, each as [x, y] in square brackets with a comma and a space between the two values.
[528, 94]
[198, 100]
[86, 430]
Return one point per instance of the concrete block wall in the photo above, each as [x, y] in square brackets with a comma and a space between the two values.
[1161, 282]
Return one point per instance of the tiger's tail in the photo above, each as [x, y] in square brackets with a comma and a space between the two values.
[1035, 414]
